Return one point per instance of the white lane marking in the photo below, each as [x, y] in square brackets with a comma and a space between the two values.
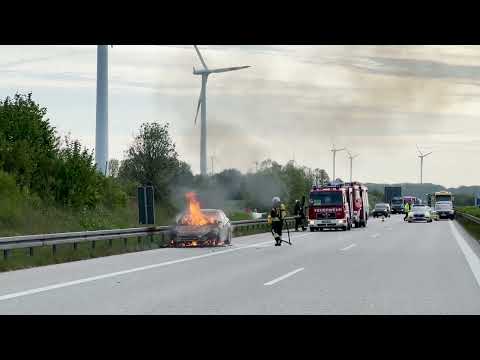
[472, 258]
[348, 247]
[283, 277]
[375, 235]
[129, 271]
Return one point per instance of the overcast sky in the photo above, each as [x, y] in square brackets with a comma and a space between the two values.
[379, 101]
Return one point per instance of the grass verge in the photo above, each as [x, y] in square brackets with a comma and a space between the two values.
[472, 228]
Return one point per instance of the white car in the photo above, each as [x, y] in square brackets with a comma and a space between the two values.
[419, 213]
[444, 210]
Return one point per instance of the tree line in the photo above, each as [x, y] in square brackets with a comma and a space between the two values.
[56, 172]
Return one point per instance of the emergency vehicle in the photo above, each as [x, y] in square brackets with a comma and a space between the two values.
[412, 200]
[338, 206]
[359, 203]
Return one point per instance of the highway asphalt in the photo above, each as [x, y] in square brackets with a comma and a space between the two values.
[390, 267]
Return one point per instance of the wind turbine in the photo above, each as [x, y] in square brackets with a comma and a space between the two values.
[334, 151]
[421, 156]
[212, 158]
[351, 157]
[101, 134]
[202, 100]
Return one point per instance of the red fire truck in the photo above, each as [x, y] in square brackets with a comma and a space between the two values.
[359, 203]
[329, 208]
[338, 206]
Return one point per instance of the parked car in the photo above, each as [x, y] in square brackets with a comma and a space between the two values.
[381, 209]
[217, 231]
[419, 212]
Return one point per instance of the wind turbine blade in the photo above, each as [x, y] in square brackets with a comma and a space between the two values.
[418, 150]
[198, 105]
[201, 58]
[228, 69]
[198, 108]
[427, 153]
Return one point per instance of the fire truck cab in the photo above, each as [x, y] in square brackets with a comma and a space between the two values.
[329, 208]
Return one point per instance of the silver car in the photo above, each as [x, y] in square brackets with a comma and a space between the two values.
[217, 232]
[419, 213]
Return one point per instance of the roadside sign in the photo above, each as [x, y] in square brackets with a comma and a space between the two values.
[146, 205]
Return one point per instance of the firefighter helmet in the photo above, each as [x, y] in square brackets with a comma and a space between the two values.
[276, 201]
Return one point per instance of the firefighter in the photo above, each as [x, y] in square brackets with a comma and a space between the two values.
[303, 216]
[277, 214]
[298, 214]
[407, 208]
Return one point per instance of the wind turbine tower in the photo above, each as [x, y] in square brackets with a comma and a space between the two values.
[101, 135]
[202, 101]
[421, 156]
[334, 151]
[351, 157]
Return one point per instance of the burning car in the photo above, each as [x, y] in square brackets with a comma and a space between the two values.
[201, 227]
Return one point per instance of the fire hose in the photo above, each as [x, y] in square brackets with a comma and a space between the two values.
[289, 242]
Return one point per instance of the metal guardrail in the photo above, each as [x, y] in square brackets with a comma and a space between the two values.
[469, 217]
[33, 241]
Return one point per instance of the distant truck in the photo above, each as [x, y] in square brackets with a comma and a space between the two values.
[397, 205]
[439, 196]
[442, 196]
[393, 197]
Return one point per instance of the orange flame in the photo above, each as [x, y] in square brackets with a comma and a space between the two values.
[194, 215]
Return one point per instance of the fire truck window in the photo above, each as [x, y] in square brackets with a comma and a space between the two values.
[327, 199]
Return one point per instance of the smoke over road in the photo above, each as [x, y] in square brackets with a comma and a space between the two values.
[372, 99]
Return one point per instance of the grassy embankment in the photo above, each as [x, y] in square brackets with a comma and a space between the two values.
[472, 228]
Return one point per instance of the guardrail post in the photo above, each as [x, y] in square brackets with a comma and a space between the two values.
[31, 251]
[54, 249]
[93, 245]
[125, 242]
[5, 254]
[75, 246]
[151, 241]
[110, 243]
[139, 240]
